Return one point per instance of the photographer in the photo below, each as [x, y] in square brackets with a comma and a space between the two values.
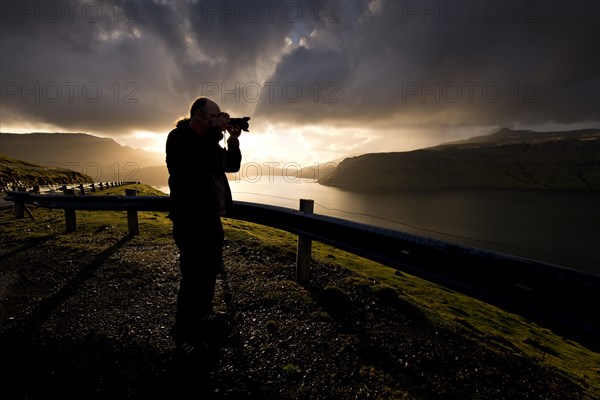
[200, 194]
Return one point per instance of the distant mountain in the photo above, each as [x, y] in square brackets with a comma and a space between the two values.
[292, 171]
[17, 173]
[101, 158]
[504, 159]
[155, 176]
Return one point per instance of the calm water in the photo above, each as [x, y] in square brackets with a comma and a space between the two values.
[557, 227]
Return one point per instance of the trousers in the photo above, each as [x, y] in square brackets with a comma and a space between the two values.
[200, 242]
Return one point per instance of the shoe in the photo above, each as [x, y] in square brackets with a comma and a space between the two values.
[193, 348]
[214, 327]
[194, 359]
[215, 323]
[216, 317]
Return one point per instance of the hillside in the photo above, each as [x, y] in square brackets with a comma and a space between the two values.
[15, 172]
[506, 159]
[101, 158]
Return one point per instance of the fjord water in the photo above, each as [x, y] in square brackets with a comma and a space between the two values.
[558, 227]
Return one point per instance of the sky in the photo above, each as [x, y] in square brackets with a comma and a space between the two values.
[320, 80]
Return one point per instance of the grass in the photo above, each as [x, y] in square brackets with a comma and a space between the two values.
[493, 325]
[291, 369]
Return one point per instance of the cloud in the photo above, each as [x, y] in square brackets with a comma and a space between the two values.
[381, 66]
[114, 66]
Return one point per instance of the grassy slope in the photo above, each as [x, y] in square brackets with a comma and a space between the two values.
[492, 324]
[23, 173]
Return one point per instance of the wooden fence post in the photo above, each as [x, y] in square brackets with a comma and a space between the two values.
[303, 252]
[70, 216]
[132, 216]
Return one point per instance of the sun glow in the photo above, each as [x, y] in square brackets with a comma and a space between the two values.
[305, 145]
[145, 140]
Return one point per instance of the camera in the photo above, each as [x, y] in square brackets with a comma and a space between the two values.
[241, 123]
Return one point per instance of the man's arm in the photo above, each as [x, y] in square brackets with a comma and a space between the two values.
[233, 155]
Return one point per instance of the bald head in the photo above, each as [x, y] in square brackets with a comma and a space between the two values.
[204, 105]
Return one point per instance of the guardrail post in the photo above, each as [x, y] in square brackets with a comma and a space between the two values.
[20, 206]
[303, 252]
[93, 188]
[81, 189]
[132, 216]
[70, 216]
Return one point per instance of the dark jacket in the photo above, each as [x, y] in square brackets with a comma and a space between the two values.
[197, 169]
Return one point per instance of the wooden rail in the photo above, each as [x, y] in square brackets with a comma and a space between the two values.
[555, 296]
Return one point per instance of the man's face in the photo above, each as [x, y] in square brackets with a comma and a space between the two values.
[214, 117]
[211, 120]
[208, 116]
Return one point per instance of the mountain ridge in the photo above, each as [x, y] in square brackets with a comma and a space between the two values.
[506, 159]
[505, 135]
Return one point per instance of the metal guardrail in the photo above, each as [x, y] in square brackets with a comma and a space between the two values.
[554, 296]
[79, 188]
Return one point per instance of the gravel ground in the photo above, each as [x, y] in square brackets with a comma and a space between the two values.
[96, 326]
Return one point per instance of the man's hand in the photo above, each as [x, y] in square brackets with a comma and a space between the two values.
[234, 131]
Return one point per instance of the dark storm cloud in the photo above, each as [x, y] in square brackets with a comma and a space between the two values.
[114, 66]
[453, 63]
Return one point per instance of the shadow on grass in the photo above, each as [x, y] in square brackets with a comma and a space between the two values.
[30, 244]
[51, 303]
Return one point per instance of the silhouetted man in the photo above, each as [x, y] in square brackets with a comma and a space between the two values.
[200, 193]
